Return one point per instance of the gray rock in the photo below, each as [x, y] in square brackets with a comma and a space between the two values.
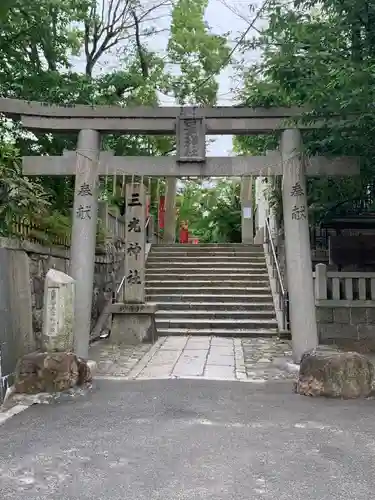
[344, 375]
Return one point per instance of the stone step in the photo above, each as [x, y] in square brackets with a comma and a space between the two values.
[206, 270]
[207, 246]
[204, 324]
[152, 277]
[182, 290]
[164, 264]
[211, 313]
[159, 296]
[218, 332]
[175, 255]
[248, 307]
[221, 290]
[214, 283]
[203, 258]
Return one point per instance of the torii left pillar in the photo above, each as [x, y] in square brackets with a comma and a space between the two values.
[82, 252]
[297, 246]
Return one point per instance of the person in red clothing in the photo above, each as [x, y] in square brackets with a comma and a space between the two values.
[184, 232]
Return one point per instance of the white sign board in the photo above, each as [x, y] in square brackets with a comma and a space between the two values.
[247, 212]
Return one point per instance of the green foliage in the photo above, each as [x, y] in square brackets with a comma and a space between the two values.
[213, 213]
[199, 54]
[36, 37]
[20, 196]
[37, 43]
[48, 229]
[321, 56]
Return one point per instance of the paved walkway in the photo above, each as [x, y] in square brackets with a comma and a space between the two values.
[215, 358]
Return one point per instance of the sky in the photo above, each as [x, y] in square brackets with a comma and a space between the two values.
[221, 19]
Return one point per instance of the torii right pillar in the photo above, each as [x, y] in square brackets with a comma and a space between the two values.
[297, 246]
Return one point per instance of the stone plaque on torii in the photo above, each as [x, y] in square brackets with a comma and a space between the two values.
[191, 126]
[190, 138]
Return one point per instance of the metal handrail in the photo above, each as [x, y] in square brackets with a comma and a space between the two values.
[120, 286]
[159, 235]
[280, 289]
[273, 250]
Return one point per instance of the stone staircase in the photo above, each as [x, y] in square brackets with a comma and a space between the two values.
[220, 290]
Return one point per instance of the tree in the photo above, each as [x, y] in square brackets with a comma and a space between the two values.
[38, 42]
[199, 54]
[213, 212]
[19, 196]
[320, 56]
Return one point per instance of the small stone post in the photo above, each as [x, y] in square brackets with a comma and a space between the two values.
[135, 241]
[170, 211]
[297, 246]
[247, 210]
[58, 323]
[321, 282]
[82, 253]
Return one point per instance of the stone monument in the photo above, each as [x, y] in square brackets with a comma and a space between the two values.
[134, 320]
[57, 368]
[58, 324]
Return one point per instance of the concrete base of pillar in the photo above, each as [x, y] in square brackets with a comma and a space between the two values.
[133, 324]
[259, 237]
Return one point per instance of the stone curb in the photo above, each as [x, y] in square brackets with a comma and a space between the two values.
[143, 362]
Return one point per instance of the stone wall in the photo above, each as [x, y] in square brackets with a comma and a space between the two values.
[345, 323]
[41, 259]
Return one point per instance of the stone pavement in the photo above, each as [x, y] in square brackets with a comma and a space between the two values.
[216, 358]
[268, 359]
[115, 361]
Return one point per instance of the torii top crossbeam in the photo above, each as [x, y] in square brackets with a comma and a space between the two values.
[189, 124]
[153, 120]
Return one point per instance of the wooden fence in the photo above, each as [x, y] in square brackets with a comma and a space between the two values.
[26, 230]
[23, 229]
[115, 226]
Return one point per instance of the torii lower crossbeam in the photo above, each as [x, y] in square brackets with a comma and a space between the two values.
[168, 166]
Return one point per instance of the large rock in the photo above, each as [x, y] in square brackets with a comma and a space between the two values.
[50, 372]
[335, 374]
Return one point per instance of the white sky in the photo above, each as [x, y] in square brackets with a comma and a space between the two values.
[221, 19]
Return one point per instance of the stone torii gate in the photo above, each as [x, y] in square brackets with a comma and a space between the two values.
[191, 125]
